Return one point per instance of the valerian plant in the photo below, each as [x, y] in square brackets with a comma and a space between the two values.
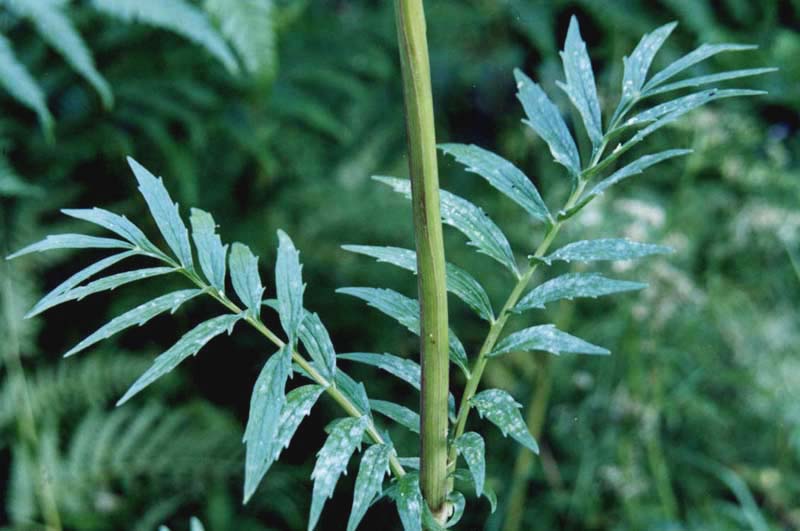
[305, 351]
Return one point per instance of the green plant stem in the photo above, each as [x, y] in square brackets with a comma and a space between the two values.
[434, 354]
[330, 388]
[497, 327]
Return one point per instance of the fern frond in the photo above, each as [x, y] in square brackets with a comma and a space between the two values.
[177, 16]
[16, 79]
[55, 27]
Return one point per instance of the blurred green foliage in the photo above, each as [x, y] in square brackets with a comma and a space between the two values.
[694, 421]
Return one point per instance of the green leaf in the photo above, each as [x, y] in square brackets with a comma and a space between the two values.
[289, 285]
[405, 311]
[71, 241]
[195, 524]
[407, 370]
[701, 53]
[177, 16]
[408, 499]
[548, 339]
[470, 445]
[266, 403]
[18, 82]
[210, 251]
[459, 282]
[680, 106]
[400, 414]
[699, 81]
[634, 168]
[137, 316]
[11, 184]
[188, 345]
[571, 286]
[318, 344]
[102, 284]
[119, 225]
[55, 28]
[354, 391]
[580, 85]
[503, 411]
[605, 249]
[295, 408]
[464, 476]
[458, 503]
[691, 102]
[245, 278]
[164, 212]
[545, 118]
[332, 462]
[409, 462]
[299, 402]
[76, 279]
[469, 219]
[638, 64]
[373, 468]
[502, 175]
[248, 25]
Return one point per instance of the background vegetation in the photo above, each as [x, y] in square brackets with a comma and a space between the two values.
[693, 423]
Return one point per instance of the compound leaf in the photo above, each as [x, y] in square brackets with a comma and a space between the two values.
[468, 219]
[318, 344]
[548, 339]
[606, 249]
[373, 468]
[55, 27]
[580, 85]
[266, 404]
[459, 282]
[165, 213]
[188, 345]
[136, 316]
[245, 278]
[289, 285]
[545, 118]
[332, 460]
[247, 24]
[15, 78]
[400, 414]
[470, 445]
[210, 251]
[177, 16]
[573, 285]
[503, 411]
[502, 175]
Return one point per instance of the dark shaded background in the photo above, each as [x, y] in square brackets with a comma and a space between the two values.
[694, 421]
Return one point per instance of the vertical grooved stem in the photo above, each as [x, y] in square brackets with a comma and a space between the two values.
[422, 164]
